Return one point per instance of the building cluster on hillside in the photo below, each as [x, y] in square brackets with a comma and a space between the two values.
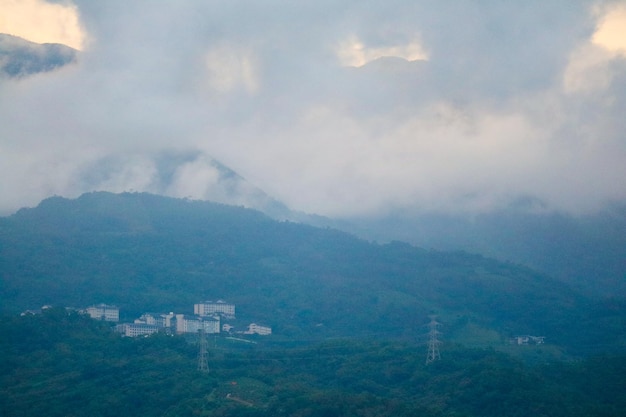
[527, 340]
[208, 317]
[103, 312]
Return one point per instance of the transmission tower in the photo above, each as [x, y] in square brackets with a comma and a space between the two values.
[433, 341]
[203, 365]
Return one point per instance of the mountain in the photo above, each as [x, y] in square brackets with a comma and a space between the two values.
[585, 251]
[149, 253]
[20, 58]
[189, 174]
[183, 174]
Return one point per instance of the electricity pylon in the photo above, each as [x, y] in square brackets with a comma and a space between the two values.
[203, 365]
[433, 341]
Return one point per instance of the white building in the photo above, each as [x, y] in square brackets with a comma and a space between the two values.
[104, 312]
[160, 320]
[136, 329]
[210, 308]
[528, 340]
[187, 324]
[254, 328]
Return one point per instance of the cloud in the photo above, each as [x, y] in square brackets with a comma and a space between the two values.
[590, 66]
[230, 68]
[588, 69]
[353, 52]
[336, 108]
[194, 179]
[41, 22]
[611, 29]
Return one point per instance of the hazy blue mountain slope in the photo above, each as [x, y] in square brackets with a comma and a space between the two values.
[145, 252]
[587, 251]
[19, 57]
[171, 173]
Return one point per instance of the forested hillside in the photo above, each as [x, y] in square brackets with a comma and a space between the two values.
[149, 253]
[63, 364]
[586, 251]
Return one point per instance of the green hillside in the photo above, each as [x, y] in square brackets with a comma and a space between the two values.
[148, 253]
[585, 251]
[64, 364]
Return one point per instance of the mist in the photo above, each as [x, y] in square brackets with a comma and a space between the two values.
[335, 108]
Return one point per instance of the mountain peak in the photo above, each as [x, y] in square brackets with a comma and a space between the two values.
[20, 57]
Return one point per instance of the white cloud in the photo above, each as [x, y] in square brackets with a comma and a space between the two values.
[40, 21]
[515, 99]
[353, 52]
[444, 158]
[589, 67]
[136, 173]
[231, 68]
[194, 179]
[611, 31]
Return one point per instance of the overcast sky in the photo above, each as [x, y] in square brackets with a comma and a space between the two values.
[333, 107]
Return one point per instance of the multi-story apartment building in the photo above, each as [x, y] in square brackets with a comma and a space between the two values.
[155, 319]
[104, 312]
[210, 308]
[254, 328]
[187, 324]
[136, 329]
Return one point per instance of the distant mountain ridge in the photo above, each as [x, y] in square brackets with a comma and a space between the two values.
[181, 174]
[146, 253]
[586, 251]
[19, 57]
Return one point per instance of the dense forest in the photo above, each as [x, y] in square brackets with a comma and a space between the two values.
[349, 320]
[148, 253]
[61, 363]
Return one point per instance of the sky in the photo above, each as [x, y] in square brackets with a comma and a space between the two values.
[339, 108]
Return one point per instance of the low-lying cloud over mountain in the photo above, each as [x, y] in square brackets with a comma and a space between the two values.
[335, 108]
